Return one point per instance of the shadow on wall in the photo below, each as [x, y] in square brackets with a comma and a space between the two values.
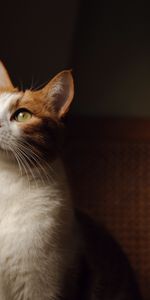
[109, 172]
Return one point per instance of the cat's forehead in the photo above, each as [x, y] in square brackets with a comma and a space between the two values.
[8, 100]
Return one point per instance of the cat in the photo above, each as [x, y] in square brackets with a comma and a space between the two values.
[47, 249]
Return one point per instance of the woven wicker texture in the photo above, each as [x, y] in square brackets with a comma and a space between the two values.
[111, 181]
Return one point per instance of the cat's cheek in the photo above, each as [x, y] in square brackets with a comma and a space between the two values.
[16, 130]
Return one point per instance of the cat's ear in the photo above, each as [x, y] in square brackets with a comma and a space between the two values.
[5, 81]
[59, 93]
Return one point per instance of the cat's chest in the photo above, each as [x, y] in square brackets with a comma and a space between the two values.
[24, 205]
[10, 185]
[15, 203]
[14, 185]
[19, 200]
[25, 212]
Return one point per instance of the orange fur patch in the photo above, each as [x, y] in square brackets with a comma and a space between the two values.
[42, 132]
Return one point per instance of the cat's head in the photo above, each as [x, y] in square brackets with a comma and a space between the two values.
[30, 120]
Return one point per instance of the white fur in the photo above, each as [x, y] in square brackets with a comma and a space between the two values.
[6, 99]
[57, 88]
[8, 129]
[36, 222]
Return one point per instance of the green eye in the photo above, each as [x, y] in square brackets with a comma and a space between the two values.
[23, 116]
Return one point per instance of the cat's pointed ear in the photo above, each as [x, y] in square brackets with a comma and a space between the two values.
[59, 93]
[5, 81]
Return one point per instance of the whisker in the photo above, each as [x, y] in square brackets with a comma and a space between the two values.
[16, 157]
[29, 160]
[23, 163]
[21, 85]
[37, 159]
[33, 85]
[20, 157]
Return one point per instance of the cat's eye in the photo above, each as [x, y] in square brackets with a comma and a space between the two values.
[22, 116]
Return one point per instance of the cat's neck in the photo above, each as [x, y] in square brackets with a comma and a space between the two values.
[46, 188]
[12, 170]
[8, 163]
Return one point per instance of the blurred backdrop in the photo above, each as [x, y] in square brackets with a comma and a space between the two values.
[106, 43]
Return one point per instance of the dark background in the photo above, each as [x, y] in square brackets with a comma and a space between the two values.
[106, 43]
